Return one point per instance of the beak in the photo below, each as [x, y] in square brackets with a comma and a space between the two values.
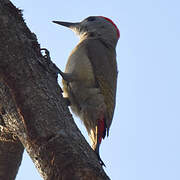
[67, 24]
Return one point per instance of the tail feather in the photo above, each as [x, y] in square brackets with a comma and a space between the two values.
[101, 130]
[100, 161]
[101, 133]
[98, 156]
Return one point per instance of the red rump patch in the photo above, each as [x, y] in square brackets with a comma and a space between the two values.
[101, 129]
[118, 32]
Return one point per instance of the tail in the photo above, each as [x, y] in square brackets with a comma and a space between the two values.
[98, 156]
[101, 133]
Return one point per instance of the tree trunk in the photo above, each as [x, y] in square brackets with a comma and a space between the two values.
[11, 149]
[39, 116]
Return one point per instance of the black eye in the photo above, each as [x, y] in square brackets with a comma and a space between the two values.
[91, 18]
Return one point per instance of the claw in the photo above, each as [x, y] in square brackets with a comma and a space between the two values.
[47, 54]
[66, 76]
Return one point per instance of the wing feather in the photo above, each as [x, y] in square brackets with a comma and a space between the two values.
[104, 65]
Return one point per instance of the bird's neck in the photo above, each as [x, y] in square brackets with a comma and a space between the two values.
[110, 43]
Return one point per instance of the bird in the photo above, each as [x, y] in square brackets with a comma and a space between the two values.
[90, 77]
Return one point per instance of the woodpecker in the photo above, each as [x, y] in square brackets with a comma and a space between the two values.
[90, 77]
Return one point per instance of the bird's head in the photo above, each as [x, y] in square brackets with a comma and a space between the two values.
[95, 27]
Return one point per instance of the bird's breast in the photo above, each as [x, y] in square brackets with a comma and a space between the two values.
[80, 66]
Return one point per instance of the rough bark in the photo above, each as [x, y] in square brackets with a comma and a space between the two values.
[11, 149]
[10, 158]
[41, 119]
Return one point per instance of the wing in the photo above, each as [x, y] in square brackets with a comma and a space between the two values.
[104, 65]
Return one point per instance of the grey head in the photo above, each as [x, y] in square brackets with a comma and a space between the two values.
[98, 27]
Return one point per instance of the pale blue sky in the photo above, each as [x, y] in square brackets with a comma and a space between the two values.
[144, 137]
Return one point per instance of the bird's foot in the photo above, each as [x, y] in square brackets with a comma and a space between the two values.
[46, 53]
[66, 76]
[48, 64]
[67, 101]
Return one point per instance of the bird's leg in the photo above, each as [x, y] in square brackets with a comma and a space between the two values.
[48, 64]
[52, 67]
[66, 76]
[67, 101]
